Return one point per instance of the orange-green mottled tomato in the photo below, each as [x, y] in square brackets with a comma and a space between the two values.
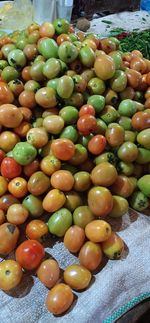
[36, 230]
[113, 246]
[100, 201]
[104, 174]
[59, 299]
[90, 255]
[74, 238]
[77, 277]
[48, 272]
[120, 206]
[82, 215]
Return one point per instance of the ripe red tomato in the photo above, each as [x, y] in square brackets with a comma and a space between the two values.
[87, 109]
[87, 124]
[29, 254]
[97, 144]
[2, 155]
[10, 168]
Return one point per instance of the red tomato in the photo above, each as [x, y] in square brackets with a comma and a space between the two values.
[10, 168]
[29, 254]
[2, 155]
[87, 124]
[63, 149]
[97, 144]
[87, 109]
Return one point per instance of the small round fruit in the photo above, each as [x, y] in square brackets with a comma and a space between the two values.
[100, 201]
[10, 274]
[74, 238]
[17, 214]
[29, 254]
[98, 231]
[36, 230]
[77, 277]
[59, 299]
[48, 272]
[113, 246]
[90, 255]
[104, 174]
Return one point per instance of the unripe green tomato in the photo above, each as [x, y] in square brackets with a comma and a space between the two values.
[69, 114]
[52, 68]
[97, 101]
[24, 153]
[17, 58]
[9, 73]
[144, 184]
[138, 201]
[67, 52]
[120, 206]
[48, 48]
[69, 132]
[127, 108]
[60, 222]
[34, 205]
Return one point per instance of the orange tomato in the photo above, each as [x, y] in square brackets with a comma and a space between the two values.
[6, 96]
[63, 180]
[18, 187]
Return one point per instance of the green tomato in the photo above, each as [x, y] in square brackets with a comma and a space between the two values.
[61, 26]
[101, 127]
[143, 156]
[84, 140]
[143, 138]
[34, 205]
[127, 108]
[32, 86]
[97, 101]
[82, 215]
[138, 201]
[48, 48]
[67, 52]
[38, 123]
[115, 40]
[24, 153]
[119, 81]
[80, 155]
[21, 43]
[60, 222]
[144, 185]
[130, 135]
[125, 168]
[65, 87]
[6, 49]
[9, 73]
[87, 56]
[109, 114]
[64, 67]
[51, 68]
[76, 100]
[125, 122]
[39, 58]
[117, 58]
[53, 83]
[69, 114]
[69, 132]
[120, 207]
[17, 58]
[96, 86]
[73, 37]
[106, 157]
[128, 152]
[3, 64]
[36, 71]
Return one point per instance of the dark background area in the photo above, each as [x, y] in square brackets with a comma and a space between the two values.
[90, 7]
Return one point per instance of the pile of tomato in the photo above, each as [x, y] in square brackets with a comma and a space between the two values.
[74, 151]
